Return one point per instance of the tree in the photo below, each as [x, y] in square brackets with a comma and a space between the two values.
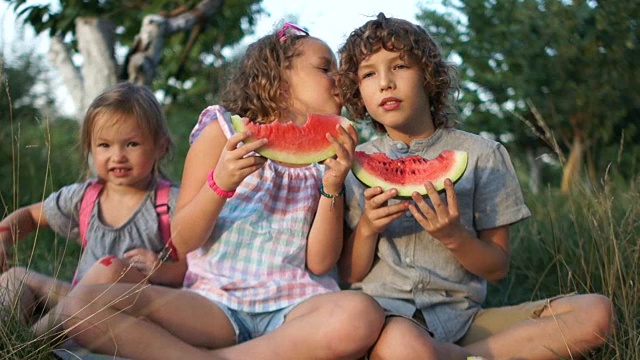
[94, 31]
[573, 66]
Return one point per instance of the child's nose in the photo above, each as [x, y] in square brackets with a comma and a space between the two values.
[334, 77]
[386, 82]
[119, 154]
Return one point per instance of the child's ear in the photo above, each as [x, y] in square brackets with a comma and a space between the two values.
[282, 98]
[284, 90]
[161, 149]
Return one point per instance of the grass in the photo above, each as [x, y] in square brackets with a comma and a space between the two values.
[588, 241]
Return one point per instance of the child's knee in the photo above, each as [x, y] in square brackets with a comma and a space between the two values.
[358, 317]
[17, 273]
[363, 308]
[601, 312]
[109, 269]
[591, 315]
[15, 280]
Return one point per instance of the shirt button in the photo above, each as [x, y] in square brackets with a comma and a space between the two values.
[420, 286]
[402, 147]
[407, 260]
[407, 213]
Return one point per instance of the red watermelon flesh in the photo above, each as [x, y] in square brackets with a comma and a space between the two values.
[291, 143]
[409, 174]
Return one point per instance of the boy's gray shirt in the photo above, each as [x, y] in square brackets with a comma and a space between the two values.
[141, 230]
[411, 269]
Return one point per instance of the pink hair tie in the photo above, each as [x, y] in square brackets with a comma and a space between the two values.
[216, 189]
[290, 29]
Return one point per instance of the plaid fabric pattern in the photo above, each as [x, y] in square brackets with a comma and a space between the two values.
[255, 259]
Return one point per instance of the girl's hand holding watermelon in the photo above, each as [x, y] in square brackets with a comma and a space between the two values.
[235, 164]
[336, 169]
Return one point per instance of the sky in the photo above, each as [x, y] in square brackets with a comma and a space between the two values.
[329, 20]
[333, 20]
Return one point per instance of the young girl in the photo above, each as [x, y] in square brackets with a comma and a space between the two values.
[125, 135]
[262, 237]
[428, 261]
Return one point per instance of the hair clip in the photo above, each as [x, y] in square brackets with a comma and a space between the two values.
[290, 29]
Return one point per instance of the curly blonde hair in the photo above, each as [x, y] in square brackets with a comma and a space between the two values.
[412, 41]
[256, 86]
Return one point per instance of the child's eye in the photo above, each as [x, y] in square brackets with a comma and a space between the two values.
[366, 75]
[133, 144]
[102, 145]
[401, 66]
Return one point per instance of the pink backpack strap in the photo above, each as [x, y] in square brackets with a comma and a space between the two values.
[86, 207]
[164, 222]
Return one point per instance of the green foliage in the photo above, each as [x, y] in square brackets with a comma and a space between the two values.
[181, 121]
[577, 62]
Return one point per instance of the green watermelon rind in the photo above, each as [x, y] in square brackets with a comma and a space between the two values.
[291, 158]
[404, 191]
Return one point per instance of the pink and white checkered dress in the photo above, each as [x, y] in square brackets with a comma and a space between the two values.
[255, 258]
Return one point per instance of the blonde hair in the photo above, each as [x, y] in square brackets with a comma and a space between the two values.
[413, 42]
[255, 88]
[128, 101]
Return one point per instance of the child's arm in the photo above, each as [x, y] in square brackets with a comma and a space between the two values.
[486, 255]
[17, 225]
[360, 245]
[325, 236]
[198, 206]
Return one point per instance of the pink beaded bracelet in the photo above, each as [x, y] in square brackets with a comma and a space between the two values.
[216, 189]
[5, 229]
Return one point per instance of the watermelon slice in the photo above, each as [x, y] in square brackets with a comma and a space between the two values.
[291, 143]
[410, 173]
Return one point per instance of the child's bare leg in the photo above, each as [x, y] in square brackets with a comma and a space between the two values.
[340, 325]
[107, 270]
[29, 291]
[569, 326]
[145, 322]
[403, 339]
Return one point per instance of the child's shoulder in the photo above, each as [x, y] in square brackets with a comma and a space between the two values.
[67, 199]
[212, 114]
[75, 190]
[469, 140]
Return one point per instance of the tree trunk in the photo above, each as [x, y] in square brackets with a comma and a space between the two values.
[99, 70]
[96, 43]
[60, 58]
[571, 169]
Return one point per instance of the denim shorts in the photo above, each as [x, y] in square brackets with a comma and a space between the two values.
[251, 325]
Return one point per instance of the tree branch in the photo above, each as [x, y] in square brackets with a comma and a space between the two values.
[144, 55]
